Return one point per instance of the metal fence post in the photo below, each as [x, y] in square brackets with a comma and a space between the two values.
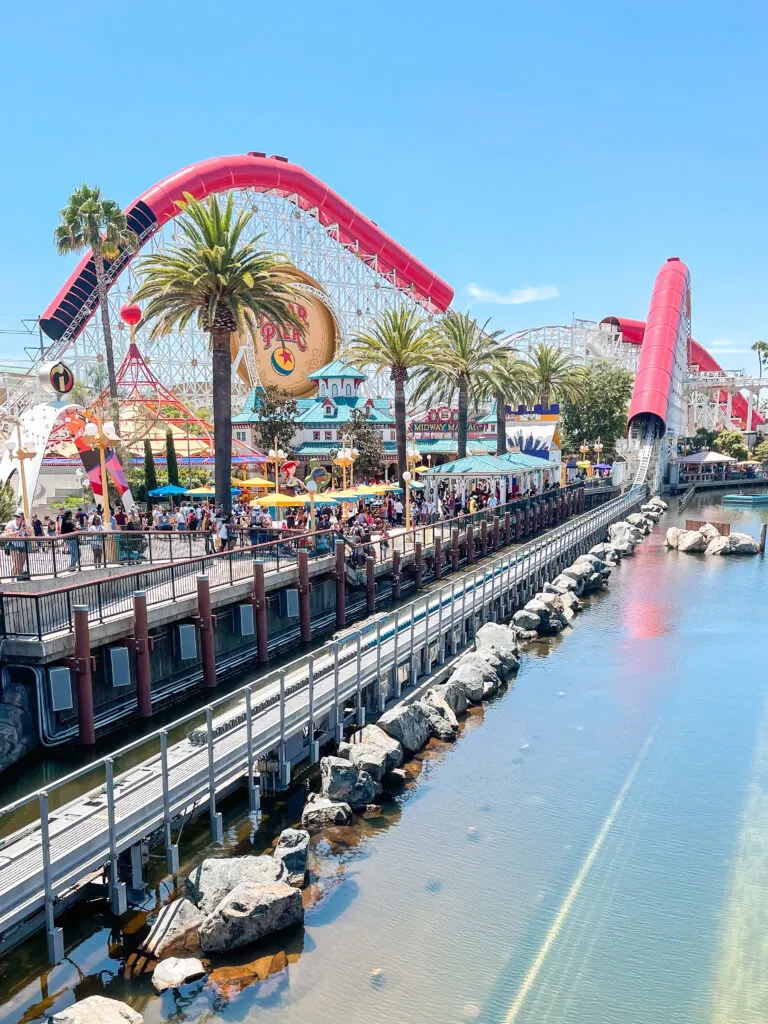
[54, 936]
[254, 794]
[217, 823]
[171, 850]
[118, 896]
[360, 710]
[285, 767]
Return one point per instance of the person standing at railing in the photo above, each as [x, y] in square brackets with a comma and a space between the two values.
[67, 530]
[17, 530]
[37, 526]
[97, 541]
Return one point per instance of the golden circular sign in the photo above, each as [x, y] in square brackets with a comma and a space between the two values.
[285, 356]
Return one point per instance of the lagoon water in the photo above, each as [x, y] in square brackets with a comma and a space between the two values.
[592, 850]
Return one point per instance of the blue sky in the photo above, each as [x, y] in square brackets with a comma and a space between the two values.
[545, 158]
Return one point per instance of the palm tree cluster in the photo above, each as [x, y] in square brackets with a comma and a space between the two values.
[455, 358]
[217, 277]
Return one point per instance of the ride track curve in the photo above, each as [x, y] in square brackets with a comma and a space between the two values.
[76, 302]
[667, 326]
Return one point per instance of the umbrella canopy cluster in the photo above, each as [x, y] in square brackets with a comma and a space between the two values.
[705, 459]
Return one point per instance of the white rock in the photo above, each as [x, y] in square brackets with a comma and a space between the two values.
[408, 725]
[372, 735]
[97, 1010]
[709, 531]
[216, 877]
[494, 638]
[526, 620]
[249, 913]
[173, 972]
[474, 673]
[292, 851]
[437, 701]
[175, 929]
[672, 537]
[719, 546]
[344, 783]
[320, 812]
[743, 544]
[453, 695]
[691, 541]
[439, 726]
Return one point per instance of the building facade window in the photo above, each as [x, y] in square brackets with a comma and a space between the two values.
[315, 435]
[329, 435]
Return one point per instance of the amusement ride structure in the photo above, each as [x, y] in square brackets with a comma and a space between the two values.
[354, 271]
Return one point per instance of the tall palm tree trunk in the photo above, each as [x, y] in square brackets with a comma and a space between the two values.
[402, 461]
[501, 424]
[221, 367]
[463, 415]
[106, 327]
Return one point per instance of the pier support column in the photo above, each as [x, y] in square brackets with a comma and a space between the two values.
[418, 561]
[341, 579]
[438, 558]
[206, 623]
[518, 524]
[507, 529]
[469, 536]
[454, 549]
[484, 538]
[395, 575]
[763, 530]
[305, 589]
[142, 645]
[370, 584]
[259, 602]
[495, 534]
[83, 664]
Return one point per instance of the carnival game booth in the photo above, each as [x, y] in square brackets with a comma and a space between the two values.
[703, 467]
[512, 475]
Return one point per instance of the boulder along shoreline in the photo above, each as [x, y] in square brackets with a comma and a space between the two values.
[230, 903]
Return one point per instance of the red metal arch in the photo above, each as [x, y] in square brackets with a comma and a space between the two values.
[157, 206]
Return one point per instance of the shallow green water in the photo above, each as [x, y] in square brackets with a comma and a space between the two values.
[617, 864]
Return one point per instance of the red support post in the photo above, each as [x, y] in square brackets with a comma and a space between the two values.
[259, 602]
[507, 529]
[305, 589]
[340, 575]
[395, 576]
[470, 539]
[418, 561]
[206, 623]
[495, 534]
[370, 584]
[142, 645]
[518, 524]
[438, 558]
[454, 549]
[484, 538]
[82, 664]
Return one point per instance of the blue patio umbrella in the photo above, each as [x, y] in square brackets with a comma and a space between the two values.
[571, 464]
[603, 465]
[168, 491]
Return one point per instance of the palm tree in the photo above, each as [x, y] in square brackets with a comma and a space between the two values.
[555, 374]
[466, 350]
[401, 342]
[224, 283]
[90, 221]
[761, 347]
[507, 380]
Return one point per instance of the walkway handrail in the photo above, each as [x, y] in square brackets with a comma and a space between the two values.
[38, 614]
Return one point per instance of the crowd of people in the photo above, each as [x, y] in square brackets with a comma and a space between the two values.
[364, 525]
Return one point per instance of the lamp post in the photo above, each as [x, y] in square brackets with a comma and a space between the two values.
[598, 446]
[16, 450]
[346, 456]
[277, 455]
[407, 482]
[100, 435]
[584, 449]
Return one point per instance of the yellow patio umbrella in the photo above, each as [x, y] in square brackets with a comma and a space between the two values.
[750, 462]
[256, 481]
[281, 500]
[384, 488]
[420, 469]
[583, 464]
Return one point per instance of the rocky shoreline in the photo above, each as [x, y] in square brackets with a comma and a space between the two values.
[233, 902]
[708, 540]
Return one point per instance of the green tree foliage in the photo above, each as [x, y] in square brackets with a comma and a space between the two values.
[400, 343]
[598, 408]
[216, 278]
[8, 503]
[761, 347]
[277, 413]
[761, 451]
[555, 375]
[367, 440]
[504, 380]
[702, 441]
[91, 221]
[465, 351]
[150, 475]
[731, 442]
[171, 460]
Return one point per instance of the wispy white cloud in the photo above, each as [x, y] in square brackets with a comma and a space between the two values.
[514, 297]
